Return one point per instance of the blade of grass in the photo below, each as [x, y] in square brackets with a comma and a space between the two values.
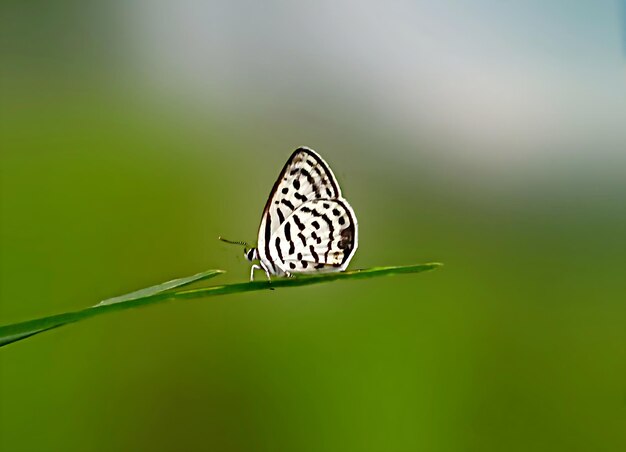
[153, 290]
[17, 331]
[142, 293]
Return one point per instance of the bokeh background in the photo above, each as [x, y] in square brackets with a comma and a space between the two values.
[487, 135]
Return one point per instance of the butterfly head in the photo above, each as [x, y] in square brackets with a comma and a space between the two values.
[251, 254]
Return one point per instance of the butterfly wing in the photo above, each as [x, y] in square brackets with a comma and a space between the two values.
[319, 236]
[305, 177]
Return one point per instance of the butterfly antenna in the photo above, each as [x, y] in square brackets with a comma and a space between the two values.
[233, 242]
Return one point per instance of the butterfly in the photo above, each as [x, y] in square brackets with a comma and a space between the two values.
[307, 226]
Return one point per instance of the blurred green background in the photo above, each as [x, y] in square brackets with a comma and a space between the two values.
[486, 135]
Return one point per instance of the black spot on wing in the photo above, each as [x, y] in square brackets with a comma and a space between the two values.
[314, 254]
[268, 235]
[315, 224]
[296, 184]
[299, 197]
[285, 190]
[281, 217]
[331, 230]
[292, 247]
[288, 203]
[288, 231]
[308, 176]
[319, 173]
[298, 222]
[280, 252]
[302, 238]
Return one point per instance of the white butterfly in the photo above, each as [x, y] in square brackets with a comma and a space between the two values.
[307, 226]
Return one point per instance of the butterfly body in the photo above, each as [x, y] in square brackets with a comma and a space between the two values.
[306, 226]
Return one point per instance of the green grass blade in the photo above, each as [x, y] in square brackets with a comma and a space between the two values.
[304, 280]
[138, 294]
[18, 337]
[149, 291]
[153, 295]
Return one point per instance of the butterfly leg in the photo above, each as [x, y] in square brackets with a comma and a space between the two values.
[260, 267]
[267, 273]
[254, 267]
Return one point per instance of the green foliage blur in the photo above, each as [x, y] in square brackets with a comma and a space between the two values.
[131, 137]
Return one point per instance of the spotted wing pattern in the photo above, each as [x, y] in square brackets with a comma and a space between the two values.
[305, 177]
[320, 235]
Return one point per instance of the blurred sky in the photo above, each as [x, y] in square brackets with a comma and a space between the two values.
[497, 86]
[507, 83]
